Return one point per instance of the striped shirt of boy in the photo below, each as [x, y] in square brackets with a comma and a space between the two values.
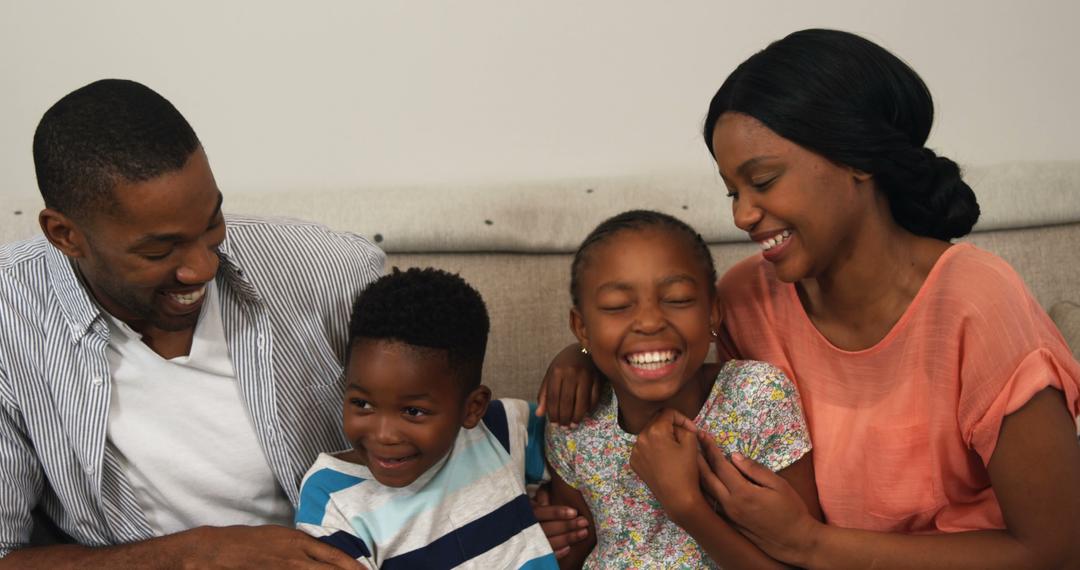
[470, 510]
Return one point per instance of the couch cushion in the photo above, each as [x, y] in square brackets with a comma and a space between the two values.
[1066, 315]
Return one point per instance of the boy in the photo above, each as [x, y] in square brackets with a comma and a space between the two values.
[436, 477]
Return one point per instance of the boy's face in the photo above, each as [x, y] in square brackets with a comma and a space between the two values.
[403, 408]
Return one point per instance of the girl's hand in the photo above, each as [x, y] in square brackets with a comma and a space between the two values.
[665, 457]
[571, 388]
[762, 504]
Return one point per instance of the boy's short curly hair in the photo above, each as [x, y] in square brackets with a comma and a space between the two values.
[426, 308]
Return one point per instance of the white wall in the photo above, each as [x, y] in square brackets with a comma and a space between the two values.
[342, 94]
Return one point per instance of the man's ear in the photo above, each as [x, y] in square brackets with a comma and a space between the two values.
[860, 176]
[577, 326]
[476, 404]
[63, 233]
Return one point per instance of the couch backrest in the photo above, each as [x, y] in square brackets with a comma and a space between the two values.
[514, 242]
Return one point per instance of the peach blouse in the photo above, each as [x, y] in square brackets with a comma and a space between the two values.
[903, 431]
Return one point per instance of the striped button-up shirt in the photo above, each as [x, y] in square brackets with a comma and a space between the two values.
[286, 290]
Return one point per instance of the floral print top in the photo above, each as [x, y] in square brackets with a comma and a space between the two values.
[753, 408]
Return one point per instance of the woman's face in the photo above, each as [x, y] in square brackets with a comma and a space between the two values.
[804, 210]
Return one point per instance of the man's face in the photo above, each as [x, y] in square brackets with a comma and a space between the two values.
[148, 260]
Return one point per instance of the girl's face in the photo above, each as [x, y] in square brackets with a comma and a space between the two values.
[804, 210]
[646, 312]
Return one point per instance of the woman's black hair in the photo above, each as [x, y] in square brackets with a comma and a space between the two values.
[639, 220]
[851, 101]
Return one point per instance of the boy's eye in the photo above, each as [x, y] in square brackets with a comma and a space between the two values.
[414, 412]
[359, 403]
[680, 301]
[613, 308]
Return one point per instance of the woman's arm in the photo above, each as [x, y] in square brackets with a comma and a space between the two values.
[666, 456]
[570, 389]
[564, 494]
[1035, 470]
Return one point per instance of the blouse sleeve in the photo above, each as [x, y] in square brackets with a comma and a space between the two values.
[1009, 350]
[774, 418]
[561, 454]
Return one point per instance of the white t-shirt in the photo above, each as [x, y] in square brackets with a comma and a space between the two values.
[185, 438]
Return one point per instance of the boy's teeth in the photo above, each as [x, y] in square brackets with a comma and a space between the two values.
[651, 360]
[775, 240]
[188, 298]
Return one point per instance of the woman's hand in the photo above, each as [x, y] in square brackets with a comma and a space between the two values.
[761, 503]
[571, 388]
[665, 456]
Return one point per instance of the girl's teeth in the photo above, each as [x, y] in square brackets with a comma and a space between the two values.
[651, 360]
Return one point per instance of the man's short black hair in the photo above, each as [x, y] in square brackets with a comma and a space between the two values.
[107, 132]
[429, 309]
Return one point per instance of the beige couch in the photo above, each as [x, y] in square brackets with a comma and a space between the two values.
[514, 242]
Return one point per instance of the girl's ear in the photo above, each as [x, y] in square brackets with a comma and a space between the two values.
[716, 315]
[476, 404]
[577, 326]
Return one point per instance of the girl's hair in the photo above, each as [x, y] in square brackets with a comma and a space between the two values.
[639, 220]
[851, 101]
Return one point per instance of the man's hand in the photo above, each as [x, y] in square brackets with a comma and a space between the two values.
[267, 546]
[258, 547]
[563, 526]
[571, 388]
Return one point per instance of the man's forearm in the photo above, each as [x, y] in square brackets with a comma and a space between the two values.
[164, 552]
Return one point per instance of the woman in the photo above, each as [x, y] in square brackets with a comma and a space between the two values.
[940, 398]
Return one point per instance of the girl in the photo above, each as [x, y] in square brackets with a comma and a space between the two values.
[645, 312]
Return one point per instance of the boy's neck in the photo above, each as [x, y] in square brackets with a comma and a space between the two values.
[635, 414]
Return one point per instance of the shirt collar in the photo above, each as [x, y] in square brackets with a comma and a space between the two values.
[78, 306]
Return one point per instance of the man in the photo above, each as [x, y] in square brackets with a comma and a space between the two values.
[165, 372]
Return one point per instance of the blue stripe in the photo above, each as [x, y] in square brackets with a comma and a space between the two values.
[471, 540]
[534, 447]
[546, 562]
[497, 424]
[348, 544]
[316, 494]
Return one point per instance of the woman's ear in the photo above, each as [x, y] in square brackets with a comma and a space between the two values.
[577, 326]
[63, 233]
[476, 404]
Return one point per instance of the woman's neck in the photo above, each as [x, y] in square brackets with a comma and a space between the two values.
[856, 301]
[635, 414]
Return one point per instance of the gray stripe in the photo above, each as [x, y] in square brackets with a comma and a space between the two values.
[286, 290]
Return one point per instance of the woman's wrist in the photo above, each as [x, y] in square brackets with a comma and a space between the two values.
[806, 551]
